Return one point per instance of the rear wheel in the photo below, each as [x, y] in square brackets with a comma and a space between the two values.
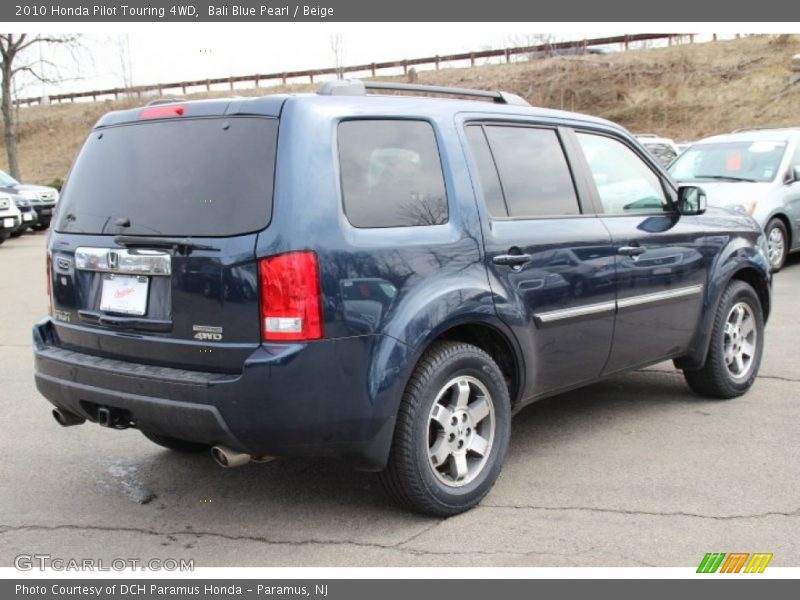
[176, 444]
[737, 342]
[777, 243]
[41, 226]
[452, 431]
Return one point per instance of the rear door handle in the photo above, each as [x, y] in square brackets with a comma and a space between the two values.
[631, 250]
[511, 260]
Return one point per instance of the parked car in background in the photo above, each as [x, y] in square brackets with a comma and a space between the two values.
[664, 149]
[38, 200]
[28, 215]
[10, 217]
[409, 272]
[756, 172]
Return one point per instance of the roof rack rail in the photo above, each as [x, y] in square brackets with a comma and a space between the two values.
[356, 87]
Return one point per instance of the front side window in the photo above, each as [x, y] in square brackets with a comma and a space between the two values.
[391, 174]
[624, 182]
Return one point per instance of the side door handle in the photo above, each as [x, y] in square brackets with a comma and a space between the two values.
[511, 260]
[631, 250]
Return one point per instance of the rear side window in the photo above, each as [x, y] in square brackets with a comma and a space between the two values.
[176, 177]
[487, 172]
[391, 174]
[535, 177]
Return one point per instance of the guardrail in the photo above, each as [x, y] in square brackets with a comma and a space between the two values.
[546, 49]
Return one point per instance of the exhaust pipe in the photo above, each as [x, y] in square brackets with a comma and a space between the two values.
[227, 457]
[67, 419]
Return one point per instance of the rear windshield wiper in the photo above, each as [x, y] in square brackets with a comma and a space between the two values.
[181, 245]
[725, 178]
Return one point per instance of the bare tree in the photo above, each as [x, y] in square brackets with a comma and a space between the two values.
[337, 47]
[14, 61]
[123, 44]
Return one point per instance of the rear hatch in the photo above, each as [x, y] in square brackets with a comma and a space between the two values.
[152, 258]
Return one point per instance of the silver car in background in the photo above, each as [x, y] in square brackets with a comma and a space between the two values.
[753, 171]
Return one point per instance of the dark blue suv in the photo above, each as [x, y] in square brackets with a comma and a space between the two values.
[381, 278]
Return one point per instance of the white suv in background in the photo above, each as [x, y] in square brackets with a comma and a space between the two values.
[664, 149]
[754, 171]
[10, 217]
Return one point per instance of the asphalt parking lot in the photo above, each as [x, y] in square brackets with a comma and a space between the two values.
[633, 471]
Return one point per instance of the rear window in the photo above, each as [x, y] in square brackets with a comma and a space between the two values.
[391, 174]
[535, 177]
[183, 177]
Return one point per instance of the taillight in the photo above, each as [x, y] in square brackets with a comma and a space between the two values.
[291, 307]
[160, 112]
[49, 284]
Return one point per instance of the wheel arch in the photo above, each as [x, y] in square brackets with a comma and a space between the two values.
[751, 272]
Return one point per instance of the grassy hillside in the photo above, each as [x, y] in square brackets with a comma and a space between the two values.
[684, 92]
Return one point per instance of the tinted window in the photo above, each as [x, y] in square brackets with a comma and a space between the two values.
[487, 172]
[391, 174]
[624, 181]
[181, 177]
[533, 170]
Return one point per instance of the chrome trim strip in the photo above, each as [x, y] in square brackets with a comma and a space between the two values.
[601, 307]
[659, 296]
[130, 262]
[578, 311]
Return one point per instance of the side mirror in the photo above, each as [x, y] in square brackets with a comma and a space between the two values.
[792, 176]
[691, 200]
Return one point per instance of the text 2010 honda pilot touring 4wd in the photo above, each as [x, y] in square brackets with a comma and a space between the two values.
[384, 279]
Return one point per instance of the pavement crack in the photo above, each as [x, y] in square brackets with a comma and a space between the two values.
[623, 511]
[172, 535]
[420, 533]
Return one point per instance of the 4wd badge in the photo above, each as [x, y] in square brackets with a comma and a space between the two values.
[207, 333]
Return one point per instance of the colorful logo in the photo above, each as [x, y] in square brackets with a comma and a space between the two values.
[734, 562]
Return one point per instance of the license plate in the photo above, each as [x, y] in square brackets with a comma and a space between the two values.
[27, 217]
[8, 223]
[45, 211]
[124, 294]
[662, 271]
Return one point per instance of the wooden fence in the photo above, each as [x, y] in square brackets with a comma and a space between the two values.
[506, 54]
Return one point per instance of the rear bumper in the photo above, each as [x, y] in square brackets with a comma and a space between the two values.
[289, 400]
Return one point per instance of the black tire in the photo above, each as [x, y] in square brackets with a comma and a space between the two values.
[715, 379]
[410, 477]
[18, 233]
[41, 227]
[777, 227]
[176, 444]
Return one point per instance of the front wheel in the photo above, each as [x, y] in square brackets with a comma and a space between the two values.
[737, 342]
[452, 431]
[777, 244]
